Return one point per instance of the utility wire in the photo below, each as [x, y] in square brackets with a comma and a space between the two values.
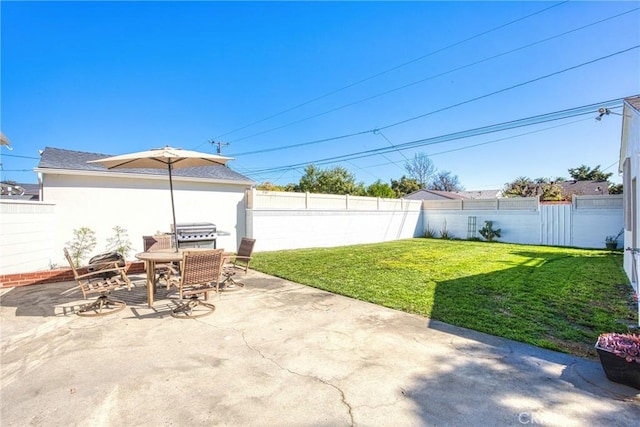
[265, 150]
[493, 141]
[369, 98]
[466, 147]
[392, 69]
[21, 157]
[390, 143]
[511, 87]
[611, 165]
[543, 118]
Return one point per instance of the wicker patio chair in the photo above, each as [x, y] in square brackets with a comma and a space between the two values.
[235, 262]
[102, 279]
[199, 275]
[164, 271]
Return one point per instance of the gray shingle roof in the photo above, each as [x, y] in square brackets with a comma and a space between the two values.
[58, 158]
[584, 188]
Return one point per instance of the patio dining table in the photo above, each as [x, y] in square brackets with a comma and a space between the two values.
[162, 256]
[150, 259]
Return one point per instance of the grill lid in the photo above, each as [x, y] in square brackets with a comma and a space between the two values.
[196, 231]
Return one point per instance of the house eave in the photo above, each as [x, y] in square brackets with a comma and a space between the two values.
[114, 174]
[628, 109]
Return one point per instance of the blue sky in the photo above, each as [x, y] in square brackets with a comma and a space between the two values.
[320, 78]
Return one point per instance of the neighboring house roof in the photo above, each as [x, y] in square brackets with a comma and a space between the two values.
[433, 195]
[19, 191]
[584, 188]
[481, 194]
[60, 159]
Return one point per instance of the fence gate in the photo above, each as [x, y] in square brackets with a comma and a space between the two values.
[555, 225]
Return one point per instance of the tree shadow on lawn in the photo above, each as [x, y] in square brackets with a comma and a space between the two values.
[552, 300]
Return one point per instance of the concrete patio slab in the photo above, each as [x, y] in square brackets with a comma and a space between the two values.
[279, 353]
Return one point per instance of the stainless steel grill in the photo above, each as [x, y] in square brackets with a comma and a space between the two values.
[196, 235]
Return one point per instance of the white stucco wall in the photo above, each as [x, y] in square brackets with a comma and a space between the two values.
[141, 206]
[630, 147]
[276, 229]
[27, 230]
[516, 226]
[584, 224]
[592, 226]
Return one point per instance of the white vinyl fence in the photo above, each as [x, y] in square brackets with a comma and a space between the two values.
[584, 223]
[279, 220]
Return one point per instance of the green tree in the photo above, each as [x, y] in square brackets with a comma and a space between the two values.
[84, 240]
[291, 187]
[615, 188]
[404, 186]
[547, 189]
[420, 168]
[445, 181]
[120, 242]
[268, 186]
[310, 181]
[585, 173]
[521, 187]
[381, 189]
[337, 180]
[551, 192]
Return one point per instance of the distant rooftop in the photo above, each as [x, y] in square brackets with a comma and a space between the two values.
[433, 195]
[58, 158]
[481, 194]
[19, 191]
[584, 188]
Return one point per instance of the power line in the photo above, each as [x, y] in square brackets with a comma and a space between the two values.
[543, 118]
[493, 141]
[393, 68]
[350, 104]
[438, 110]
[611, 165]
[376, 132]
[21, 157]
[512, 87]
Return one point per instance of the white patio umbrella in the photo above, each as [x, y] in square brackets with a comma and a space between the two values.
[161, 158]
[5, 141]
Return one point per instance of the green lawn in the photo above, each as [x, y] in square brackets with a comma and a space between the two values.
[556, 298]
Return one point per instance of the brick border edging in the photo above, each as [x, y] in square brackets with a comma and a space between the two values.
[53, 276]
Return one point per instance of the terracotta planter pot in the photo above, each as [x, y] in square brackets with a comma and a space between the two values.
[618, 370]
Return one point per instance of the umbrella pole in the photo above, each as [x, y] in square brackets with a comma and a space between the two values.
[173, 210]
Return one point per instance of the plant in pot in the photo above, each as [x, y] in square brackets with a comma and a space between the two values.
[620, 357]
[611, 242]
